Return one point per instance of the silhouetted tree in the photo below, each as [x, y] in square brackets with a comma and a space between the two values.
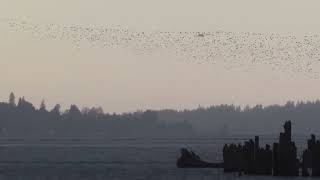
[74, 110]
[42, 106]
[12, 99]
[73, 113]
[56, 109]
[25, 106]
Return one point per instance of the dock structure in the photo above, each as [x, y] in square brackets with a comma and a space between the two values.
[249, 158]
[287, 161]
[311, 158]
[252, 159]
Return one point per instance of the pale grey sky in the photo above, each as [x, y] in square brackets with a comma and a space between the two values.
[120, 80]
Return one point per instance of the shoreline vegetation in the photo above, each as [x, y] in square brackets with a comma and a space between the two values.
[21, 119]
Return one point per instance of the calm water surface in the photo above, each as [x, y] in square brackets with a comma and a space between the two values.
[101, 159]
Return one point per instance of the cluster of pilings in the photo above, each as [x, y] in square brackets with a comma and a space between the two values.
[249, 158]
[282, 160]
[311, 158]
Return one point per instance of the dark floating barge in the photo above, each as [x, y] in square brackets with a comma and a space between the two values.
[251, 159]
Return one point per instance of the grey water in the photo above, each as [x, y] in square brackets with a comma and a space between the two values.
[108, 159]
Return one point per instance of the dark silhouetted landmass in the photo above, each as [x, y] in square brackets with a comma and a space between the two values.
[23, 120]
[20, 118]
[231, 120]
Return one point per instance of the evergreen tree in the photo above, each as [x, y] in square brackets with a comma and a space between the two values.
[12, 99]
[56, 109]
[42, 106]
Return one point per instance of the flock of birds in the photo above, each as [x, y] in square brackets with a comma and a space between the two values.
[233, 49]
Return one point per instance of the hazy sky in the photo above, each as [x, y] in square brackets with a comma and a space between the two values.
[120, 80]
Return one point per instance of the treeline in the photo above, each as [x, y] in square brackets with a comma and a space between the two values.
[22, 120]
[223, 120]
